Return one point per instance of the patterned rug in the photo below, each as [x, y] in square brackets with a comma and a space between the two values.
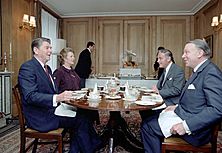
[10, 142]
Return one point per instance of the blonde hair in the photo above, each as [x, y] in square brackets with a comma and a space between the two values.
[63, 54]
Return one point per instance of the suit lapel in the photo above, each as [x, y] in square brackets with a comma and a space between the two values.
[43, 73]
[169, 73]
[159, 84]
[194, 76]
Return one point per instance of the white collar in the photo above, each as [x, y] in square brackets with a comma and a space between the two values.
[168, 67]
[89, 50]
[195, 69]
[40, 63]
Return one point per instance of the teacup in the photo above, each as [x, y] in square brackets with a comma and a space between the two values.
[93, 96]
[122, 88]
[100, 88]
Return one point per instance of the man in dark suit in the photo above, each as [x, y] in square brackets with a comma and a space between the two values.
[158, 70]
[83, 66]
[83, 69]
[170, 84]
[199, 107]
[40, 99]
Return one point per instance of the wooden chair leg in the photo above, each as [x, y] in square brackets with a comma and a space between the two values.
[22, 144]
[163, 149]
[60, 147]
[35, 145]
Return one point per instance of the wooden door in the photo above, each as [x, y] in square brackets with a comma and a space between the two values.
[78, 32]
[172, 33]
[110, 46]
[136, 38]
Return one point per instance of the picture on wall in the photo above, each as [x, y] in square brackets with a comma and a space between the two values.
[209, 40]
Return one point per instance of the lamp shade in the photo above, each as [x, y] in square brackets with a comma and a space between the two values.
[25, 18]
[32, 21]
[220, 18]
[214, 21]
[60, 44]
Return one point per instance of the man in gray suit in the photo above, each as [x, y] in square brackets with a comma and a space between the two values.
[170, 84]
[199, 107]
[172, 80]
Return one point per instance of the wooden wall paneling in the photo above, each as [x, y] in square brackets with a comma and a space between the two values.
[1, 53]
[219, 49]
[173, 33]
[136, 38]
[154, 45]
[22, 38]
[78, 32]
[110, 45]
[6, 31]
[213, 8]
[93, 37]
[207, 16]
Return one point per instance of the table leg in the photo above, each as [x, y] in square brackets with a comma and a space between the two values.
[117, 130]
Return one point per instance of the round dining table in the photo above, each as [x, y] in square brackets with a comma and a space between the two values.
[116, 132]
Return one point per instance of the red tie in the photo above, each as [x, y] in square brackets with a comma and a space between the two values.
[47, 73]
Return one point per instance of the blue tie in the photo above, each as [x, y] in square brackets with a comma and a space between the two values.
[163, 78]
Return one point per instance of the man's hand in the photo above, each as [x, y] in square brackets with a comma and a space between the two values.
[178, 129]
[154, 87]
[170, 108]
[64, 96]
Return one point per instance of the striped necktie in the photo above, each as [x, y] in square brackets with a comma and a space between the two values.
[47, 73]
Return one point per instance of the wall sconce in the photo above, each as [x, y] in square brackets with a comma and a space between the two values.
[216, 21]
[27, 23]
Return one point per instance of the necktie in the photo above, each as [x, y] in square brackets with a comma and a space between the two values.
[191, 75]
[47, 73]
[49, 76]
[164, 77]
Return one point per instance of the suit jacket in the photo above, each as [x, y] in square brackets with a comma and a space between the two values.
[37, 96]
[172, 86]
[83, 66]
[201, 102]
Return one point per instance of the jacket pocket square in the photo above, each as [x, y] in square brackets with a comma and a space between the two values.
[191, 86]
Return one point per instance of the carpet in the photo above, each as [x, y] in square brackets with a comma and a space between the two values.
[10, 142]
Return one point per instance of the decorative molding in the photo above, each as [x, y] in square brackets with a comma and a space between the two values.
[58, 10]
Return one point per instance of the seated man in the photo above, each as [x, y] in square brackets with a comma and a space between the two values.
[40, 99]
[199, 107]
[158, 70]
[170, 84]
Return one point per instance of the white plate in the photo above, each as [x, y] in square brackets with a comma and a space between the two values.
[90, 99]
[85, 89]
[94, 99]
[145, 103]
[80, 91]
[130, 99]
[154, 98]
[146, 90]
[78, 96]
[105, 77]
[116, 97]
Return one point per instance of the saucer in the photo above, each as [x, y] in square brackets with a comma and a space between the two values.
[80, 91]
[153, 97]
[146, 90]
[145, 103]
[130, 99]
[94, 99]
[113, 98]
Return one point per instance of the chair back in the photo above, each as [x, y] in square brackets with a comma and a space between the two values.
[214, 135]
[178, 144]
[17, 95]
